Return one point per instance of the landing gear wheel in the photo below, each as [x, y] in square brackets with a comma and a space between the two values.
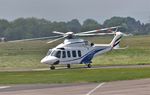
[68, 66]
[52, 67]
[89, 65]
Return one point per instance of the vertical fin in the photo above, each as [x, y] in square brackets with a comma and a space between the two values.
[116, 40]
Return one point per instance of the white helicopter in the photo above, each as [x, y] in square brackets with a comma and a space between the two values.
[79, 51]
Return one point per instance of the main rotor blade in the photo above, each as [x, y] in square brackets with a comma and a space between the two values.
[32, 39]
[98, 30]
[56, 40]
[56, 32]
[94, 34]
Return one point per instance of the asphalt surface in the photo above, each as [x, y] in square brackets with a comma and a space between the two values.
[73, 67]
[94, 67]
[131, 87]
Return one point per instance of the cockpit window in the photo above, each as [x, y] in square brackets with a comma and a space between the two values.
[53, 53]
[49, 52]
[58, 54]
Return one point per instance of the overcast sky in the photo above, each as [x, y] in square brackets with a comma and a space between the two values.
[65, 10]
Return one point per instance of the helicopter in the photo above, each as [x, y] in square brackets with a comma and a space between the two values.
[75, 50]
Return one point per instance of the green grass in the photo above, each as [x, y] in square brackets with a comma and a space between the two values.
[74, 76]
[28, 54]
[137, 53]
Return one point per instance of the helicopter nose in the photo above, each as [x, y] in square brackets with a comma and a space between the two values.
[44, 60]
[49, 60]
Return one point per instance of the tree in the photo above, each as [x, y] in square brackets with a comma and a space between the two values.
[134, 26]
[114, 21]
[90, 24]
[147, 28]
[4, 24]
[74, 26]
[60, 26]
[129, 25]
[23, 28]
[28, 28]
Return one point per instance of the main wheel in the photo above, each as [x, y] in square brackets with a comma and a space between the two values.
[89, 65]
[68, 66]
[52, 67]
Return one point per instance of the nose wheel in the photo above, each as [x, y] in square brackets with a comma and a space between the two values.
[68, 66]
[52, 67]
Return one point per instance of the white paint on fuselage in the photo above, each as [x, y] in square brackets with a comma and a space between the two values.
[88, 51]
[85, 50]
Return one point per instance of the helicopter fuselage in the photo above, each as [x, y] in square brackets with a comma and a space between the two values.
[78, 51]
[74, 51]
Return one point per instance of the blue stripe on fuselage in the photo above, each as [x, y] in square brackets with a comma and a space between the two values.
[87, 57]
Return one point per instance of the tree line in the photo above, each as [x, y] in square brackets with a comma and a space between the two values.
[24, 28]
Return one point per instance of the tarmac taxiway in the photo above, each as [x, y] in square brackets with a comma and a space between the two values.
[129, 87]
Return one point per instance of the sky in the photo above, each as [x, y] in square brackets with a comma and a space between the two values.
[66, 10]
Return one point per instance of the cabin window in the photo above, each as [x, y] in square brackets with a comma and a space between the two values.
[58, 54]
[63, 54]
[74, 53]
[79, 53]
[68, 54]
